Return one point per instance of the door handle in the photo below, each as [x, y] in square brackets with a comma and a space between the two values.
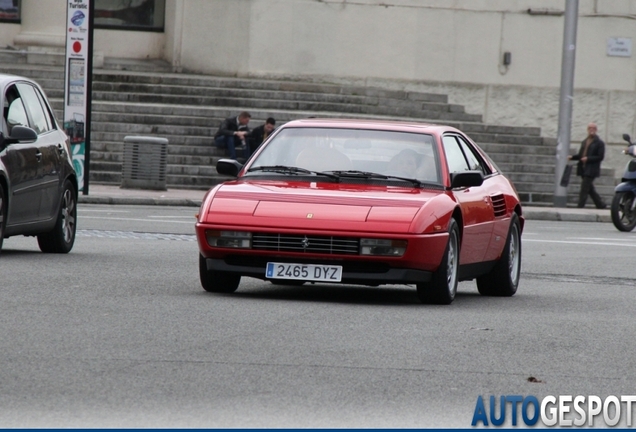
[60, 149]
[38, 156]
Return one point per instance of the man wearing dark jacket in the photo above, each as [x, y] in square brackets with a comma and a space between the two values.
[589, 159]
[260, 133]
[233, 129]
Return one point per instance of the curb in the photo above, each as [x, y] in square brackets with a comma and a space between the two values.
[564, 216]
[177, 202]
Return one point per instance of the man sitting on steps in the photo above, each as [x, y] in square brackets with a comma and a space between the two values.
[234, 129]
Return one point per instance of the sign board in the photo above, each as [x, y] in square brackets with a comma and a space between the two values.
[619, 47]
[77, 82]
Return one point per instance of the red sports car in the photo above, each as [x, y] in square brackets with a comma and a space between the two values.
[363, 202]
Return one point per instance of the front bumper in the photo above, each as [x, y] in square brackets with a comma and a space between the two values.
[354, 272]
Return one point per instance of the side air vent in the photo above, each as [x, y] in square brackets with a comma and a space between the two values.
[499, 205]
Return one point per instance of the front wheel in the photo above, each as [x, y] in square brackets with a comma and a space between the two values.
[215, 281]
[624, 211]
[62, 237]
[503, 279]
[443, 285]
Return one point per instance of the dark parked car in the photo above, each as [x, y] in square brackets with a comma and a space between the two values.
[38, 185]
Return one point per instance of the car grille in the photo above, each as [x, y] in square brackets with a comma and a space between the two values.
[305, 243]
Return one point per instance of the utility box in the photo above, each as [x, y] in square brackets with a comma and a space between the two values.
[145, 160]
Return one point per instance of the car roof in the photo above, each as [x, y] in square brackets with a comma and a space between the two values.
[381, 124]
[7, 78]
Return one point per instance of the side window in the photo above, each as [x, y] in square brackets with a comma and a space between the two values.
[14, 112]
[33, 105]
[473, 162]
[47, 112]
[454, 155]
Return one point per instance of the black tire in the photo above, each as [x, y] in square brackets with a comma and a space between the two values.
[215, 281]
[3, 216]
[503, 279]
[443, 285]
[623, 211]
[62, 237]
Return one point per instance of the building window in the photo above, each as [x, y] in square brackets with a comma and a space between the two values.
[145, 15]
[10, 11]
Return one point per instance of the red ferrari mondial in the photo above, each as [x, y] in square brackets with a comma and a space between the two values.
[363, 202]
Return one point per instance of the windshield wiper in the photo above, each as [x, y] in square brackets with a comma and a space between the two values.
[373, 175]
[284, 169]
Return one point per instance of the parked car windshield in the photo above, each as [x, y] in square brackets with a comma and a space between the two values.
[351, 152]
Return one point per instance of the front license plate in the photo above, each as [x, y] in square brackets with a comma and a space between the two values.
[313, 272]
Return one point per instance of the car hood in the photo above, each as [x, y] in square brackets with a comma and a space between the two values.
[337, 207]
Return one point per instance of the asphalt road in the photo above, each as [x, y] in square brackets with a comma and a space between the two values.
[119, 333]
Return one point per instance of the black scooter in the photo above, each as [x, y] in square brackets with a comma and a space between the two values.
[624, 202]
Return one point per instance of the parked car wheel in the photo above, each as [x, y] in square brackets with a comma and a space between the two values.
[443, 285]
[3, 216]
[215, 281]
[503, 280]
[62, 237]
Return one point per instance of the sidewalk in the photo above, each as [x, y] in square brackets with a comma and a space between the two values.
[102, 194]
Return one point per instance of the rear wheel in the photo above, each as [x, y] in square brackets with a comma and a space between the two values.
[62, 237]
[215, 281]
[624, 211]
[3, 215]
[443, 285]
[503, 279]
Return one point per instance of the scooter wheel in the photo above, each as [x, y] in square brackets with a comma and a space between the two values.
[624, 211]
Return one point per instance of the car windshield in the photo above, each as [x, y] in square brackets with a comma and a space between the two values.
[349, 154]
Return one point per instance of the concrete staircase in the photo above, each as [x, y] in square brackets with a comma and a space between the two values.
[145, 98]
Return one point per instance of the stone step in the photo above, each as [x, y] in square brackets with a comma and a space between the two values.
[187, 109]
[36, 72]
[263, 84]
[349, 108]
[271, 95]
[526, 151]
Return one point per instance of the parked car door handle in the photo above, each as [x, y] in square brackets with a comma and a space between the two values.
[60, 149]
[38, 156]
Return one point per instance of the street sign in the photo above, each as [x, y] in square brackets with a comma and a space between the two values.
[77, 82]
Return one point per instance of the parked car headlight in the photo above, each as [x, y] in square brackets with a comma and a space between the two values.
[384, 247]
[229, 239]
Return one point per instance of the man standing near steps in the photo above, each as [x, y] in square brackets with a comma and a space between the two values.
[233, 132]
[589, 159]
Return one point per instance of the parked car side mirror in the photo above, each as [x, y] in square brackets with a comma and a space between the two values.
[20, 134]
[467, 179]
[229, 167]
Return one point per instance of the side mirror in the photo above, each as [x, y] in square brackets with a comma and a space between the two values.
[627, 138]
[467, 179]
[21, 134]
[229, 167]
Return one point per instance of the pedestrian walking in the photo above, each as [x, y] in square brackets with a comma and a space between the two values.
[589, 157]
